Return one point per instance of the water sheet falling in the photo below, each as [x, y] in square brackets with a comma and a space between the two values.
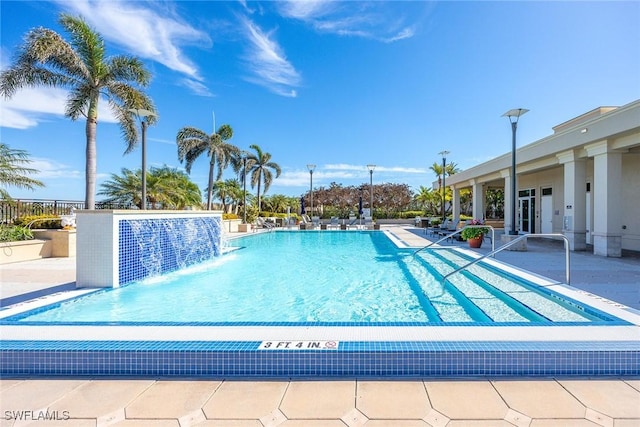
[149, 247]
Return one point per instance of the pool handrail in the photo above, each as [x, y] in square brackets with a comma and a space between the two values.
[511, 243]
[448, 236]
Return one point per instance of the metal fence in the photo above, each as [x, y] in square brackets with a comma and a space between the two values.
[10, 210]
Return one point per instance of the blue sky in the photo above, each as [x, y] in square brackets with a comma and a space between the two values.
[337, 84]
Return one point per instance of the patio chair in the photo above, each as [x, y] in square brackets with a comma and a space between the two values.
[448, 231]
[433, 230]
[368, 223]
[315, 221]
[334, 223]
[353, 222]
[264, 224]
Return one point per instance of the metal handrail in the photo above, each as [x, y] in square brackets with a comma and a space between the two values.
[511, 243]
[493, 237]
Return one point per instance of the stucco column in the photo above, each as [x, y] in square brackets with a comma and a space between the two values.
[506, 237]
[607, 186]
[574, 224]
[507, 200]
[478, 199]
[455, 203]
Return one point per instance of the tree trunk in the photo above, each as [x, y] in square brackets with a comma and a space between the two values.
[210, 186]
[90, 160]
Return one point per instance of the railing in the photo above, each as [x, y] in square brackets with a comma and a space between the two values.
[10, 210]
[513, 242]
[450, 235]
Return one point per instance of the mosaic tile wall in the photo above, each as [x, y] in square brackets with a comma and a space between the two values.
[352, 359]
[151, 247]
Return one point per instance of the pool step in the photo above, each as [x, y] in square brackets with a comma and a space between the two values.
[546, 304]
[476, 298]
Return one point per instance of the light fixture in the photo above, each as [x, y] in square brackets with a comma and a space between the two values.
[513, 116]
[444, 186]
[371, 168]
[143, 114]
[311, 168]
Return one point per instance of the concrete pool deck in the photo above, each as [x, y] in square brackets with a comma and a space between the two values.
[521, 402]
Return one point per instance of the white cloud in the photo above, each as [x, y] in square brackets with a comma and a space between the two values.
[163, 141]
[393, 169]
[374, 20]
[345, 174]
[51, 169]
[144, 32]
[197, 87]
[267, 62]
[30, 106]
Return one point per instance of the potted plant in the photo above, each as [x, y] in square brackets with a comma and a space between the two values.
[474, 235]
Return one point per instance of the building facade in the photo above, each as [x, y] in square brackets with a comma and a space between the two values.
[582, 181]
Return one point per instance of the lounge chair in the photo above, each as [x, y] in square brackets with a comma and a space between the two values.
[264, 224]
[334, 223]
[433, 230]
[306, 223]
[448, 231]
[315, 221]
[368, 223]
[353, 222]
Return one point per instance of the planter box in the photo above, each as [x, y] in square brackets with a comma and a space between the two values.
[244, 228]
[63, 241]
[231, 225]
[25, 251]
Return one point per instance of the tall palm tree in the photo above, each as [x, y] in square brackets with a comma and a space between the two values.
[82, 67]
[13, 170]
[259, 166]
[193, 142]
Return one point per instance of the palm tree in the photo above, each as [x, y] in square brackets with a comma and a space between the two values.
[124, 189]
[193, 142]
[13, 170]
[259, 166]
[170, 188]
[227, 191]
[82, 67]
[167, 188]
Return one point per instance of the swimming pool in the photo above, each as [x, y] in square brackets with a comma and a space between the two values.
[596, 342]
[322, 278]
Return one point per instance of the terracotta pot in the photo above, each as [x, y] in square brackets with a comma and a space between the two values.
[475, 242]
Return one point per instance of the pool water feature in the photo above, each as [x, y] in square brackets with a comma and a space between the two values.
[385, 349]
[324, 278]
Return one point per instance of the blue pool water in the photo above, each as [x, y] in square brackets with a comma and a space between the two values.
[322, 277]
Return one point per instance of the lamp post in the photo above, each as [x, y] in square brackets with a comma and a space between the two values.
[244, 187]
[444, 186]
[311, 167]
[513, 116]
[371, 168]
[143, 114]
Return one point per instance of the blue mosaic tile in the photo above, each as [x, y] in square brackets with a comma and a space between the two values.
[351, 360]
[149, 247]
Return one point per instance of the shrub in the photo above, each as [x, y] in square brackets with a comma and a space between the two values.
[14, 233]
[230, 216]
[47, 221]
[474, 232]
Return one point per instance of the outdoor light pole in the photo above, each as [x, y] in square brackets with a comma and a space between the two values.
[371, 168]
[513, 116]
[143, 114]
[311, 167]
[244, 187]
[444, 187]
